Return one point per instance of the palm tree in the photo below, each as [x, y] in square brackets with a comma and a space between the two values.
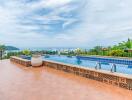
[129, 44]
[2, 49]
[123, 45]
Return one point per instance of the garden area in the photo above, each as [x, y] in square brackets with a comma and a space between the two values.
[123, 49]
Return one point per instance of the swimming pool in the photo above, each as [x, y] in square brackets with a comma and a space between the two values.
[120, 68]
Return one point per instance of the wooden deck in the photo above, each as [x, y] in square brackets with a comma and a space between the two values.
[26, 83]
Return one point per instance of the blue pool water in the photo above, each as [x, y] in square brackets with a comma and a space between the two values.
[90, 64]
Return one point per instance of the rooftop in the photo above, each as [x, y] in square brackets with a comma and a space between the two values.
[28, 83]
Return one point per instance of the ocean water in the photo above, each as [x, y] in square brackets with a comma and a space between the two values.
[51, 48]
[43, 48]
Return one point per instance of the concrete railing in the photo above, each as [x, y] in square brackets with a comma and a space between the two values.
[116, 79]
[20, 61]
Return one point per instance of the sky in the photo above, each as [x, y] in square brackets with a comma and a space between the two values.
[65, 23]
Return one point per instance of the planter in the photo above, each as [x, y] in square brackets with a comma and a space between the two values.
[36, 60]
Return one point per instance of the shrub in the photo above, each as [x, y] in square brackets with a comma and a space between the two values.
[116, 53]
[26, 52]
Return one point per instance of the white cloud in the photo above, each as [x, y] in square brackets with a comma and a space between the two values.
[102, 22]
[50, 3]
[105, 22]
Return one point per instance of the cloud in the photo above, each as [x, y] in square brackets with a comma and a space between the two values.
[105, 22]
[65, 22]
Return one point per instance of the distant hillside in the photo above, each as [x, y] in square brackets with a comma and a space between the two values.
[11, 48]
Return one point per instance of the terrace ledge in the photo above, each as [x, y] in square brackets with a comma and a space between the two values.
[92, 69]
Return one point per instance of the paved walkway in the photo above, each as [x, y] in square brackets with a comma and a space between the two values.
[21, 83]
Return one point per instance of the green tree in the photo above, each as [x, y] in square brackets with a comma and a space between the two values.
[129, 44]
[26, 52]
[96, 50]
[116, 53]
[123, 45]
[2, 49]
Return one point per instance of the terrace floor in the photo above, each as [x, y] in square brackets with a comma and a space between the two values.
[27, 83]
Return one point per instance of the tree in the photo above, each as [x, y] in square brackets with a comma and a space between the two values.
[123, 45]
[116, 53]
[26, 52]
[129, 44]
[96, 50]
[2, 49]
